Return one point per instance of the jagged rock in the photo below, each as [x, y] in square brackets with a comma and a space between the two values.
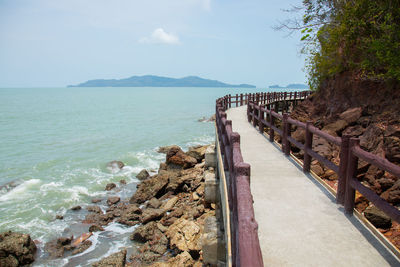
[95, 209]
[176, 158]
[184, 235]
[182, 260]
[392, 148]
[191, 178]
[123, 181]
[116, 164]
[130, 215]
[154, 203]
[150, 188]
[151, 215]
[82, 247]
[299, 135]
[96, 200]
[167, 206]
[166, 149]
[143, 175]
[377, 217]
[110, 186]
[145, 232]
[372, 136]
[16, 249]
[354, 131]
[59, 217]
[113, 200]
[197, 152]
[76, 208]
[56, 247]
[116, 260]
[336, 127]
[322, 147]
[351, 115]
[95, 228]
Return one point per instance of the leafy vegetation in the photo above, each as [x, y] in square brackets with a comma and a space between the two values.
[360, 36]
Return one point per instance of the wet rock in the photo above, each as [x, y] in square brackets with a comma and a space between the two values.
[81, 239]
[82, 247]
[116, 260]
[143, 175]
[163, 166]
[75, 208]
[115, 164]
[110, 186]
[95, 228]
[95, 209]
[123, 181]
[377, 217]
[212, 118]
[150, 188]
[113, 200]
[184, 235]
[176, 158]
[154, 203]
[96, 200]
[351, 115]
[56, 248]
[59, 217]
[166, 149]
[16, 249]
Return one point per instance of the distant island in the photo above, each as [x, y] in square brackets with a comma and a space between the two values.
[291, 86]
[158, 81]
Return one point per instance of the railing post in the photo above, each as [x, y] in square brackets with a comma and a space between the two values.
[271, 130]
[351, 173]
[254, 114]
[307, 147]
[230, 100]
[241, 99]
[249, 112]
[284, 132]
[288, 133]
[237, 103]
[260, 119]
[344, 153]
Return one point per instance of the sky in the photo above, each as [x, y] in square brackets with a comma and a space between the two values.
[55, 43]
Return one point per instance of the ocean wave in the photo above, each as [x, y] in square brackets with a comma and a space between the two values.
[18, 191]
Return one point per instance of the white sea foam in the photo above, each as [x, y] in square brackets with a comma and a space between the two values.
[119, 228]
[18, 192]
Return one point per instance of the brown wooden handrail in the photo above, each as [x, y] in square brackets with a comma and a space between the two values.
[350, 152]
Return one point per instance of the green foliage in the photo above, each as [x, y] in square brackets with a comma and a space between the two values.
[360, 36]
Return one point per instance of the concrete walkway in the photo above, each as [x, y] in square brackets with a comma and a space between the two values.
[299, 222]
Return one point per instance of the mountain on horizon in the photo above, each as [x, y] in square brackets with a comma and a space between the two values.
[291, 86]
[158, 81]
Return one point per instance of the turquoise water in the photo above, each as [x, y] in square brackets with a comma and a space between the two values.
[56, 142]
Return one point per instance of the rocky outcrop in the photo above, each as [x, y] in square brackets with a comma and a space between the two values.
[16, 249]
[176, 158]
[116, 260]
[115, 164]
[110, 186]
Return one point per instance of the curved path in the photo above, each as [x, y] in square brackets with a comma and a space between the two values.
[299, 222]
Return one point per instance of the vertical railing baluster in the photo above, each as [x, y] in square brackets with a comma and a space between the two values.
[343, 160]
[351, 173]
[307, 148]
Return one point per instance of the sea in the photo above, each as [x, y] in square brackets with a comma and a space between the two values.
[55, 144]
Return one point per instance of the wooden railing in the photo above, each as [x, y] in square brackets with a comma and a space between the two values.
[245, 245]
[350, 153]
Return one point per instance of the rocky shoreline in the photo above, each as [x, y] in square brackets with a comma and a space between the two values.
[167, 215]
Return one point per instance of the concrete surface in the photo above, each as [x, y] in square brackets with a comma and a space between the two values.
[299, 222]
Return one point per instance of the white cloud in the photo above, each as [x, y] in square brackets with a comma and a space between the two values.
[159, 36]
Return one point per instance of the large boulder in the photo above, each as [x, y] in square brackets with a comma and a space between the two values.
[351, 115]
[377, 217]
[371, 138]
[336, 127]
[176, 158]
[145, 232]
[185, 235]
[16, 249]
[197, 152]
[166, 149]
[143, 175]
[131, 215]
[116, 260]
[150, 188]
